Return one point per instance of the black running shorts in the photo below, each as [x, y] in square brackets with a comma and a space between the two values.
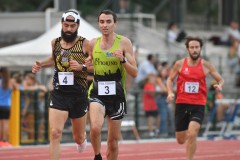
[185, 113]
[115, 109]
[75, 104]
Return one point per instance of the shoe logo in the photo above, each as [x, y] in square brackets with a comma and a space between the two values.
[86, 110]
[51, 104]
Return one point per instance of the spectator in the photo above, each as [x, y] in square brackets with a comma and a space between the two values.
[144, 69]
[6, 87]
[124, 6]
[232, 60]
[18, 80]
[221, 107]
[149, 104]
[164, 109]
[28, 112]
[231, 34]
[238, 69]
[173, 33]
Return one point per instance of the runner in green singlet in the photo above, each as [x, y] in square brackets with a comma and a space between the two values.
[112, 58]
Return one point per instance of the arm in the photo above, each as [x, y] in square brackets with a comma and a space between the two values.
[173, 73]
[127, 49]
[44, 64]
[162, 85]
[79, 67]
[88, 61]
[209, 68]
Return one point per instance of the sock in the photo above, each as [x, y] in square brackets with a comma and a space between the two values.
[98, 157]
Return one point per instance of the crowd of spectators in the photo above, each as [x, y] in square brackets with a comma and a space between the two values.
[151, 79]
[29, 104]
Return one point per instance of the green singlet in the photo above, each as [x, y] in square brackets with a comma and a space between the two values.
[107, 67]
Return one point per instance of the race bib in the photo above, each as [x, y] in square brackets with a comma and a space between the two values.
[65, 78]
[191, 87]
[106, 88]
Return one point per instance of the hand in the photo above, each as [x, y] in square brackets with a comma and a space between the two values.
[218, 87]
[88, 61]
[42, 88]
[119, 54]
[36, 67]
[74, 65]
[170, 97]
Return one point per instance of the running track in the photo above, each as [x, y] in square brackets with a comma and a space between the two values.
[131, 150]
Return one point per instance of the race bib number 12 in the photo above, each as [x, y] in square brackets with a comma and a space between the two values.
[107, 88]
[191, 87]
[65, 78]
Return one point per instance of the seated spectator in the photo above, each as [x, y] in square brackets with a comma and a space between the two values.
[124, 6]
[238, 69]
[231, 34]
[149, 105]
[232, 60]
[173, 34]
[221, 107]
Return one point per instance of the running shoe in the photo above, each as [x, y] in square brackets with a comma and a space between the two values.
[82, 147]
[5, 144]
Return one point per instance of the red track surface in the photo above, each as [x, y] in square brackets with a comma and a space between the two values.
[143, 150]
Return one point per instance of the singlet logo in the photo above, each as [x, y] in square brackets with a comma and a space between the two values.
[107, 63]
[186, 71]
[63, 59]
[109, 54]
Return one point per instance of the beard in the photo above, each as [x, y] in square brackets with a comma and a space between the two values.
[69, 38]
[194, 57]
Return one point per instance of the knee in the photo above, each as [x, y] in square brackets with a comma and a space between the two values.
[55, 134]
[113, 144]
[79, 138]
[95, 130]
[192, 136]
[181, 140]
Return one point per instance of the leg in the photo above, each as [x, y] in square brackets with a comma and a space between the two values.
[1, 130]
[150, 124]
[181, 137]
[158, 120]
[57, 119]
[112, 141]
[5, 129]
[78, 128]
[135, 132]
[191, 146]
[79, 133]
[97, 112]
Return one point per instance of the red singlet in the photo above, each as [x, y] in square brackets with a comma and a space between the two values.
[191, 84]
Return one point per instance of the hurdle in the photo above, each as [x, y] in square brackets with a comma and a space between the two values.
[223, 127]
[231, 132]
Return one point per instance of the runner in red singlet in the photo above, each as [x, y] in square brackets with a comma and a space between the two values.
[191, 93]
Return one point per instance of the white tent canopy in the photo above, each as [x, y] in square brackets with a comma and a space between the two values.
[24, 54]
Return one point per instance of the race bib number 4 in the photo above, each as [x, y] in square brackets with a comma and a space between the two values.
[65, 78]
[107, 88]
[191, 87]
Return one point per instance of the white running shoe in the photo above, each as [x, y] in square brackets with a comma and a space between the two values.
[82, 147]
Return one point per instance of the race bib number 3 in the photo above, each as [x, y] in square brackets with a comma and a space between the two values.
[107, 88]
[191, 87]
[65, 78]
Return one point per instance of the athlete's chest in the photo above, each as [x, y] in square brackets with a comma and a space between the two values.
[189, 72]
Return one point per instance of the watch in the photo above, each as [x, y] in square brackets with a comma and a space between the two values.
[84, 67]
[124, 60]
